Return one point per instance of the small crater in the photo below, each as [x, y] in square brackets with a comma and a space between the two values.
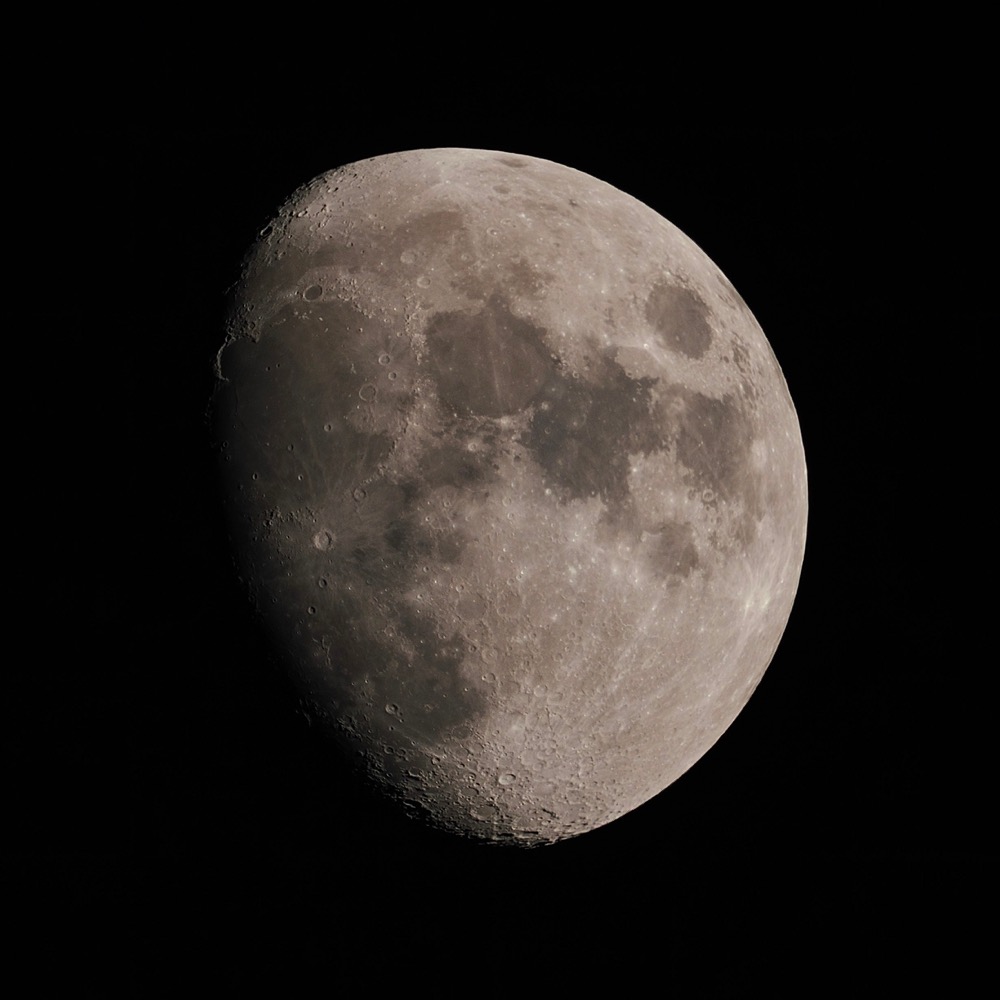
[484, 812]
[323, 540]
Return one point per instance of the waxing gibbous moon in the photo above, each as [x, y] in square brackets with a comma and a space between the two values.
[515, 482]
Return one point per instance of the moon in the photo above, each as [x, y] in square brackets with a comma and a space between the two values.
[515, 482]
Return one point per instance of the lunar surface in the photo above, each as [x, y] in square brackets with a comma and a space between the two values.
[515, 482]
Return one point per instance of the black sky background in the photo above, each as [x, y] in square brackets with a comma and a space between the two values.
[172, 810]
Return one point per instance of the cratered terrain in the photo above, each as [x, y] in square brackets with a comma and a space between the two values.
[515, 482]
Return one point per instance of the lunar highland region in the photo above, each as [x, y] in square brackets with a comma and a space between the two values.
[515, 483]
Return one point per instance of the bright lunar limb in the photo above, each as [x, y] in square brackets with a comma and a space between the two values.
[515, 481]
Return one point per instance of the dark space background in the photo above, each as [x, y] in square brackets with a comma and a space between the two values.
[174, 819]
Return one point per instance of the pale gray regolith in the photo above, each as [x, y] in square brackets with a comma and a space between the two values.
[515, 480]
